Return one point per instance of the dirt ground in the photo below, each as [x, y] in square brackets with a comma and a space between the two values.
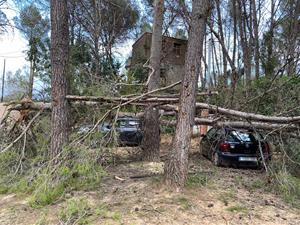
[132, 193]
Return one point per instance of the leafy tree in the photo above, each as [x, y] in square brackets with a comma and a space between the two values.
[35, 30]
[103, 25]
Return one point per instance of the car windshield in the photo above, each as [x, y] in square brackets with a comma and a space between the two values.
[241, 136]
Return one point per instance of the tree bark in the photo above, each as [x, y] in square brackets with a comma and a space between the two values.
[224, 58]
[59, 79]
[243, 37]
[31, 79]
[292, 31]
[242, 115]
[256, 38]
[239, 124]
[176, 168]
[151, 140]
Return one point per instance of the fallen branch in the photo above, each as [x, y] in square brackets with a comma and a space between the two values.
[121, 105]
[208, 93]
[23, 133]
[248, 116]
[240, 114]
[119, 178]
[145, 175]
[238, 124]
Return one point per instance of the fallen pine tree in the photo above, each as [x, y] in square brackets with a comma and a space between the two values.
[163, 101]
[239, 124]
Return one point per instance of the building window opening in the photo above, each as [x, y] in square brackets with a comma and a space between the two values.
[176, 48]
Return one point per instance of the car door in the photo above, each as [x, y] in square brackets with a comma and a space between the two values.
[206, 142]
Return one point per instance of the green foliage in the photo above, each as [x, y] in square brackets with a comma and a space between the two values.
[168, 129]
[237, 209]
[75, 211]
[77, 170]
[256, 97]
[285, 171]
[45, 181]
[288, 186]
[139, 72]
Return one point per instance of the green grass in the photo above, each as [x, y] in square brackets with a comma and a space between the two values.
[184, 203]
[288, 187]
[227, 197]
[197, 180]
[237, 209]
[75, 211]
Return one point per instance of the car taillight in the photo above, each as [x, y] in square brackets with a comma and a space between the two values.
[224, 147]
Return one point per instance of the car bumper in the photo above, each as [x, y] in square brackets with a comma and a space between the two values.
[238, 159]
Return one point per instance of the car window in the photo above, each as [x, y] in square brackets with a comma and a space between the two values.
[122, 123]
[241, 136]
[133, 123]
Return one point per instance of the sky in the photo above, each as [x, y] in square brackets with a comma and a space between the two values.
[12, 45]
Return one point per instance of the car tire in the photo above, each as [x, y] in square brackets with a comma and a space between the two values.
[216, 159]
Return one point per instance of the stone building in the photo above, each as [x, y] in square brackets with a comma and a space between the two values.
[173, 57]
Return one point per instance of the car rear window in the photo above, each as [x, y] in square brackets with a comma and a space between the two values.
[241, 136]
[128, 123]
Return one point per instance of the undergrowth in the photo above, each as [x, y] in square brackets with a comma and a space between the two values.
[77, 169]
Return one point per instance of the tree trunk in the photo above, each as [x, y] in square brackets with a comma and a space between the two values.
[243, 37]
[176, 168]
[31, 79]
[59, 79]
[256, 39]
[220, 28]
[269, 67]
[151, 140]
[292, 31]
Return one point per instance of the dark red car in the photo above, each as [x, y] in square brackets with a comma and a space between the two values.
[227, 146]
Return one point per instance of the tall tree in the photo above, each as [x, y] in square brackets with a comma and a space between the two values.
[243, 24]
[222, 36]
[176, 168]
[151, 140]
[269, 60]
[290, 31]
[104, 24]
[35, 29]
[256, 38]
[59, 79]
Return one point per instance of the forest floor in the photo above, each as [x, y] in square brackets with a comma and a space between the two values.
[212, 196]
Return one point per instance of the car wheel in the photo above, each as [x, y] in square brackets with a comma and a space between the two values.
[216, 159]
